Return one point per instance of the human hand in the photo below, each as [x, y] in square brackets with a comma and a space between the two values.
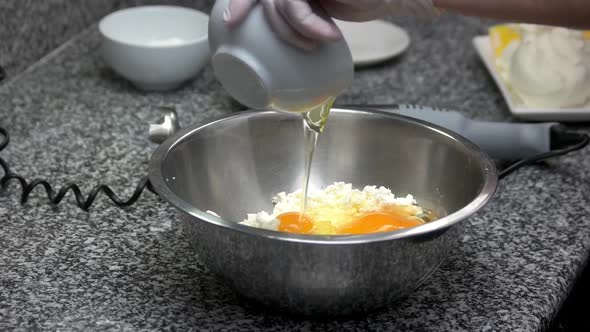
[304, 23]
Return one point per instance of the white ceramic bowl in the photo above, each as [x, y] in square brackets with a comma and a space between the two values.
[263, 72]
[156, 47]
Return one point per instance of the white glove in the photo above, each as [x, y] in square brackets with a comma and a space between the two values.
[303, 23]
[293, 20]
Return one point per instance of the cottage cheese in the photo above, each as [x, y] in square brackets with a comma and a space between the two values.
[333, 207]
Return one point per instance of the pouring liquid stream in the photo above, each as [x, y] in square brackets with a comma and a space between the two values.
[314, 122]
[386, 219]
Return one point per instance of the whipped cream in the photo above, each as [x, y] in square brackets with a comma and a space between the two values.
[548, 67]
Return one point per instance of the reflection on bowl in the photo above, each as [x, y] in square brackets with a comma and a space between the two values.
[155, 47]
[235, 165]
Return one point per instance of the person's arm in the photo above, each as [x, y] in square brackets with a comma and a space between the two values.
[302, 23]
[566, 13]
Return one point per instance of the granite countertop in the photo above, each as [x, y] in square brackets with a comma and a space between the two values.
[31, 29]
[110, 269]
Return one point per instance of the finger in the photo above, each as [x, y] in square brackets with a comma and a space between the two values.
[282, 28]
[302, 17]
[236, 12]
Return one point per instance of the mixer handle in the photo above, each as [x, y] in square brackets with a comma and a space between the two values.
[527, 143]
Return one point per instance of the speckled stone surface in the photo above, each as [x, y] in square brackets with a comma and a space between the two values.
[29, 29]
[72, 119]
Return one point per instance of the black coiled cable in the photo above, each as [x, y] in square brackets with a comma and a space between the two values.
[55, 197]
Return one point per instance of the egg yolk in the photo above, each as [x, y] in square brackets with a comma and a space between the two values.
[294, 222]
[379, 222]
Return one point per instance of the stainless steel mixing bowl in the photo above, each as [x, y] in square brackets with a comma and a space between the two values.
[235, 165]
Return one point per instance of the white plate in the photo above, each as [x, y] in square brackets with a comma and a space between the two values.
[374, 41]
[484, 49]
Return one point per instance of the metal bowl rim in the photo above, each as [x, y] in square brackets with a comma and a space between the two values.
[161, 188]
